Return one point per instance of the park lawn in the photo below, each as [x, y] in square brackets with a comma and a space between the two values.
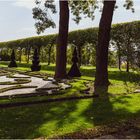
[59, 118]
[53, 119]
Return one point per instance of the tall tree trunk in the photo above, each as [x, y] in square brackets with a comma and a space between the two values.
[49, 54]
[61, 48]
[41, 55]
[39, 49]
[20, 55]
[101, 76]
[28, 55]
[79, 55]
[128, 56]
[119, 57]
[127, 65]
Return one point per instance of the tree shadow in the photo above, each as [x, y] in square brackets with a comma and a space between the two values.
[124, 76]
[108, 110]
[36, 121]
[59, 118]
[114, 75]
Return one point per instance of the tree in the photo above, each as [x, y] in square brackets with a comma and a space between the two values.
[116, 40]
[13, 61]
[87, 8]
[125, 37]
[35, 63]
[45, 22]
[49, 53]
[128, 45]
[61, 48]
[74, 71]
[101, 76]
[77, 7]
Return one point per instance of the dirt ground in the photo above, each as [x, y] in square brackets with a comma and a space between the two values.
[122, 130]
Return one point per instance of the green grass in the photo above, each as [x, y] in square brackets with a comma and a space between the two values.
[16, 81]
[15, 87]
[59, 118]
[48, 120]
[26, 67]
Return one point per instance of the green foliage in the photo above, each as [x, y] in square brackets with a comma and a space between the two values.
[87, 8]
[125, 38]
[129, 5]
[4, 56]
[77, 8]
[82, 39]
[42, 16]
[44, 20]
[112, 59]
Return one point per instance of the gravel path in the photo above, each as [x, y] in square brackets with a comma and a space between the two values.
[34, 82]
[5, 79]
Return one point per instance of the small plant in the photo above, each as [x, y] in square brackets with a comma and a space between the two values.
[15, 87]
[35, 63]
[12, 62]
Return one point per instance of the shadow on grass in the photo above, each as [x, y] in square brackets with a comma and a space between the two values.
[124, 76]
[35, 121]
[114, 75]
[60, 118]
[107, 110]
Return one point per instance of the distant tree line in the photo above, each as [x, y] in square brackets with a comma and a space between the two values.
[124, 46]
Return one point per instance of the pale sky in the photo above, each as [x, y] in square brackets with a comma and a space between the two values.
[16, 19]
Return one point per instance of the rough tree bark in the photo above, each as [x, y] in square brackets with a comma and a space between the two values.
[127, 64]
[28, 55]
[128, 56]
[49, 54]
[61, 48]
[119, 57]
[79, 56]
[101, 76]
[20, 55]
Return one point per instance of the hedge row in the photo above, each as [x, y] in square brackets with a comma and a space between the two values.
[78, 38]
